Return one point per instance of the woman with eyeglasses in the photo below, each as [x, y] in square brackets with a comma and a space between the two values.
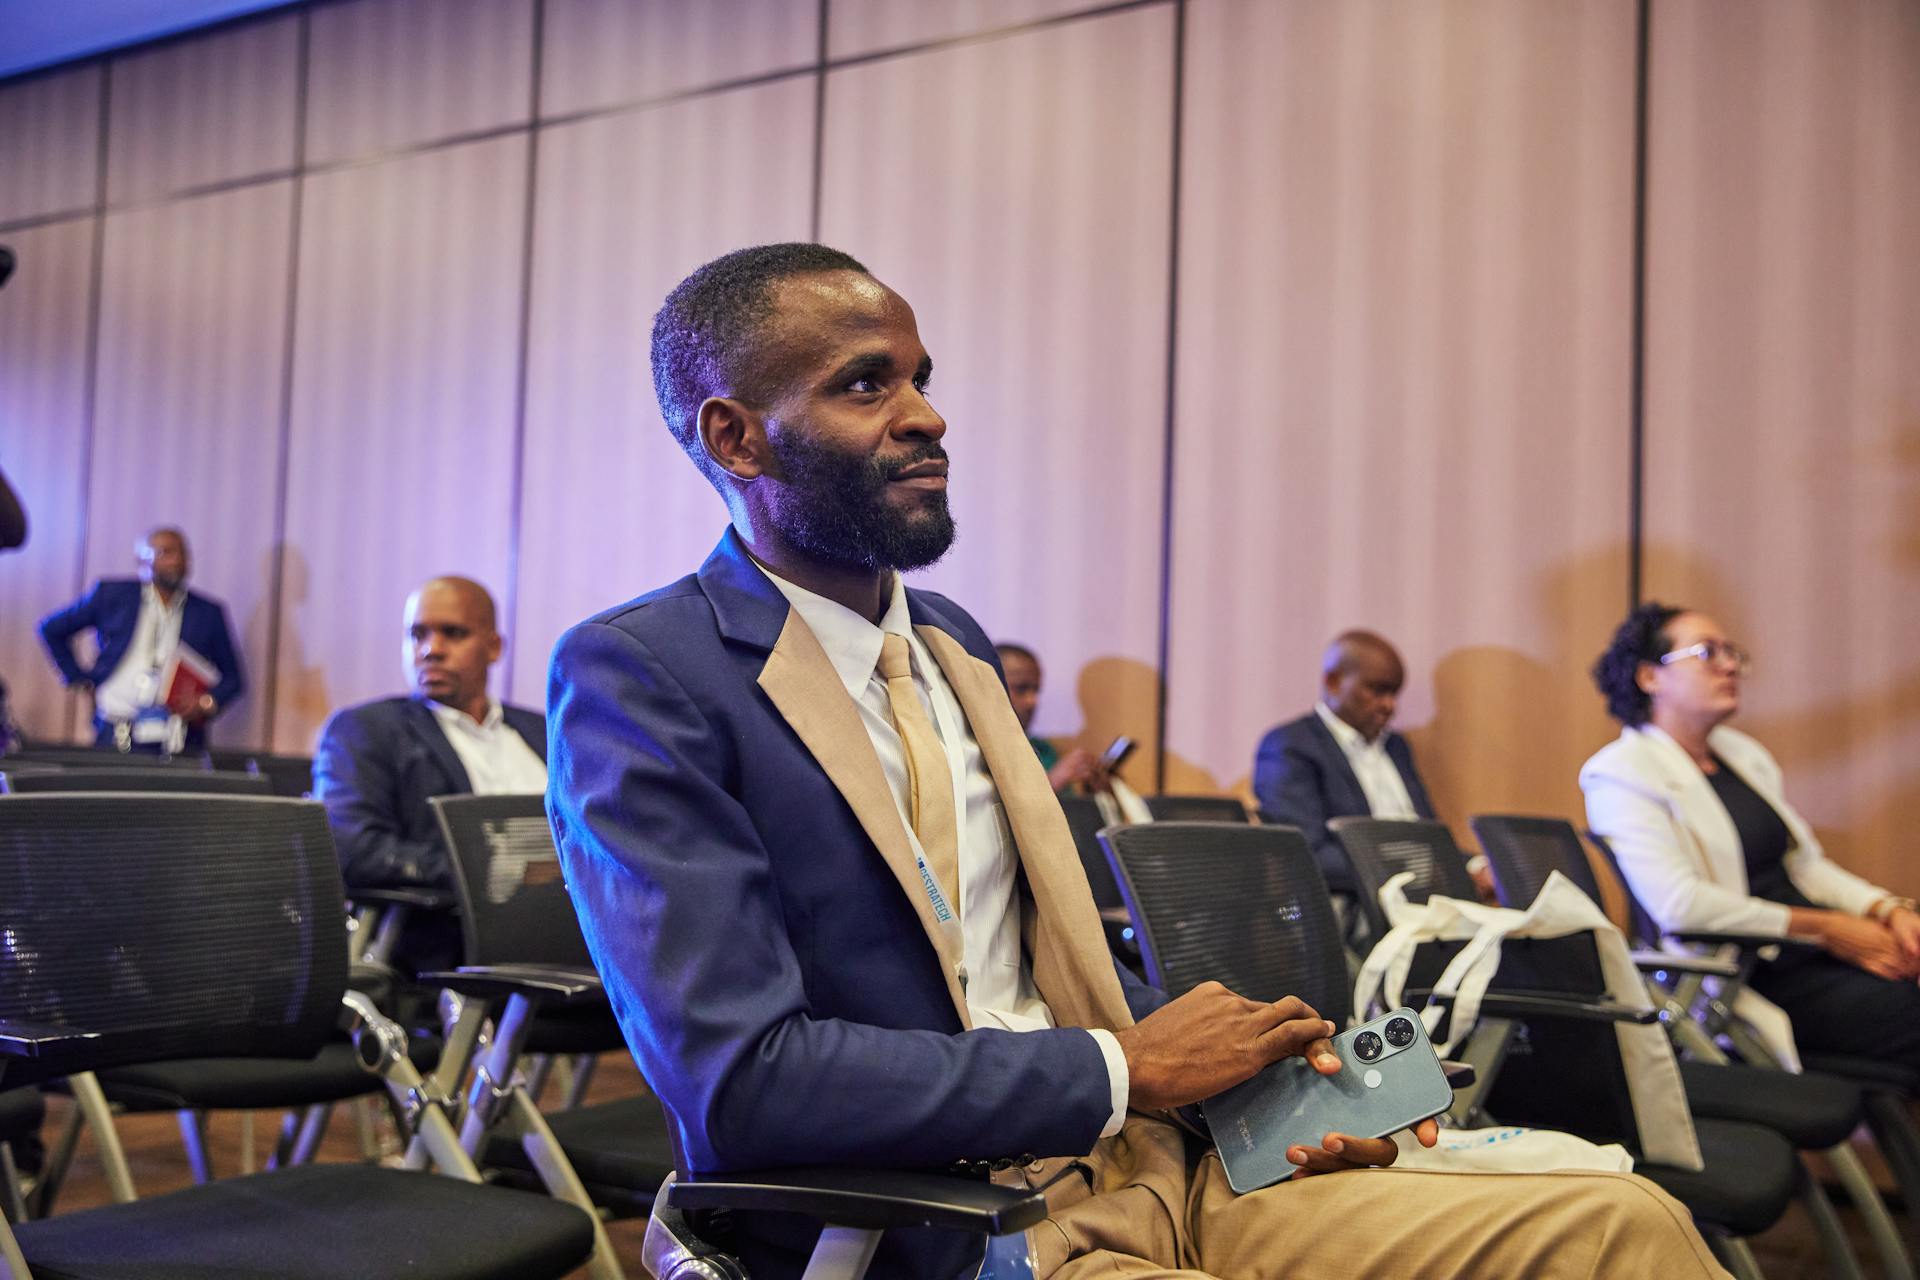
[1698, 820]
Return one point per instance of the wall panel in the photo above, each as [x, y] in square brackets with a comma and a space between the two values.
[50, 143]
[192, 353]
[855, 27]
[613, 507]
[1403, 371]
[602, 53]
[401, 456]
[43, 384]
[1783, 405]
[204, 110]
[388, 74]
[1036, 261]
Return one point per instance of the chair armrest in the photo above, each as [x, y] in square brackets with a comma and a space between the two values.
[425, 899]
[550, 985]
[1569, 1008]
[1460, 1075]
[1713, 938]
[868, 1198]
[20, 1039]
[1679, 962]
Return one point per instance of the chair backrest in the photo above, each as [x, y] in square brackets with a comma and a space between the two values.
[191, 781]
[168, 926]
[514, 904]
[1243, 905]
[286, 775]
[1381, 848]
[92, 758]
[1197, 809]
[1641, 926]
[1523, 851]
[1084, 820]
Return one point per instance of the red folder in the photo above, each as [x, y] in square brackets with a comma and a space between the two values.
[187, 678]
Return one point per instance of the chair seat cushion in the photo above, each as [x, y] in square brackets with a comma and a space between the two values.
[590, 1028]
[1813, 1111]
[21, 1113]
[1867, 1071]
[1749, 1177]
[318, 1222]
[620, 1144]
[216, 1084]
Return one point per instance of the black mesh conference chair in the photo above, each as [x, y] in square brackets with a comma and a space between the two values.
[193, 781]
[157, 927]
[290, 776]
[1750, 1172]
[1197, 809]
[1815, 1112]
[527, 959]
[99, 758]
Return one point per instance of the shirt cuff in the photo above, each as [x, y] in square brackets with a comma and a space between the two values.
[1118, 1081]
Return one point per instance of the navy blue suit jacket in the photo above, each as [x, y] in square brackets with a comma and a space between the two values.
[777, 987]
[1301, 777]
[375, 768]
[112, 609]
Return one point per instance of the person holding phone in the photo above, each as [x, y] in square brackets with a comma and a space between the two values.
[1079, 768]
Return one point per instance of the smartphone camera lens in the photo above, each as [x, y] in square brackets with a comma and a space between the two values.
[1400, 1033]
[1367, 1045]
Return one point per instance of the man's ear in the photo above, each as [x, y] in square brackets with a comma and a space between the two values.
[1643, 677]
[733, 436]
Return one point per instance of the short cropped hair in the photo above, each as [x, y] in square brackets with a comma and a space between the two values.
[1616, 673]
[707, 333]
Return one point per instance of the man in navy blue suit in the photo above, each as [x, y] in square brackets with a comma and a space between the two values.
[140, 624]
[837, 906]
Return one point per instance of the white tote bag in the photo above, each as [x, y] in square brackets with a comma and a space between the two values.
[1561, 909]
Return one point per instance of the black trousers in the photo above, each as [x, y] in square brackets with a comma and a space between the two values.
[1837, 1008]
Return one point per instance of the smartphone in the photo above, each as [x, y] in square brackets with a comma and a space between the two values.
[1389, 1079]
[1117, 750]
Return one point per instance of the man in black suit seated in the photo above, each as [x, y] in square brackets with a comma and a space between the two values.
[377, 764]
[1341, 760]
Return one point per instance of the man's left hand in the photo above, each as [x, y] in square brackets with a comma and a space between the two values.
[1338, 1151]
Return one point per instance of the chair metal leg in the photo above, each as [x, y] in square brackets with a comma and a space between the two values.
[193, 1135]
[11, 1261]
[13, 1204]
[1852, 1172]
[583, 1067]
[282, 1151]
[365, 1129]
[1841, 1263]
[1485, 1049]
[563, 1075]
[53, 1170]
[1735, 1255]
[246, 1142]
[1894, 1132]
[313, 1127]
[539, 1067]
[842, 1254]
[92, 1101]
[525, 1123]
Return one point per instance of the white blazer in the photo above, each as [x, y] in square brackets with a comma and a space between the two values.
[1679, 849]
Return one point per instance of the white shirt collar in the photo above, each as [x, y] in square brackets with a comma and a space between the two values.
[150, 595]
[447, 715]
[852, 643]
[1349, 738]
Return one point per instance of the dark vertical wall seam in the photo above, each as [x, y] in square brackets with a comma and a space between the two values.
[276, 588]
[1637, 410]
[819, 126]
[516, 493]
[90, 395]
[1163, 657]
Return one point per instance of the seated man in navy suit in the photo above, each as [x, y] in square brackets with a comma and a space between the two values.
[837, 906]
[140, 626]
[377, 764]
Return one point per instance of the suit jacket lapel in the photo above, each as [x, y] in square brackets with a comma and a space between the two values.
[1336, 758]
[805, 689]
[1699, 810]
[421, 723]
[1071, 964]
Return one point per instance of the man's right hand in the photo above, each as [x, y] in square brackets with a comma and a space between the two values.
[1211, 1039]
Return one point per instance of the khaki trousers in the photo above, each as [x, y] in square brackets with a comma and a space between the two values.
[1147, 1213]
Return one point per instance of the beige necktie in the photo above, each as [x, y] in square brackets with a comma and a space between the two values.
[929, 776]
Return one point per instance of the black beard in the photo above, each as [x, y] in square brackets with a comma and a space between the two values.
[834, 507]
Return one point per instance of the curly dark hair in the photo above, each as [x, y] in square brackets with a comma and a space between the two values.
[1641, 638]
[705, 336]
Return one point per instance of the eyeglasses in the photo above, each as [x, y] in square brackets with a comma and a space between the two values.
[1713, 653]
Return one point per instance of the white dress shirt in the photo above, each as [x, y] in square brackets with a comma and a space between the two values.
[1379, 776]
[135, 682]
[998, 974]
[498, 760]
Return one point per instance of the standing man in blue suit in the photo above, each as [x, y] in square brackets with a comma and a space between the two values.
[139, 624]
[837, 906]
